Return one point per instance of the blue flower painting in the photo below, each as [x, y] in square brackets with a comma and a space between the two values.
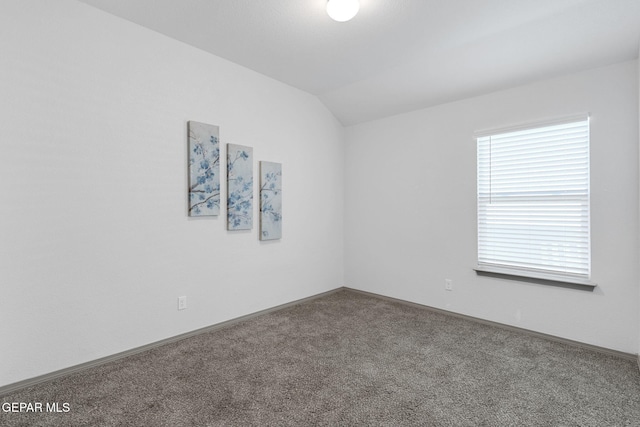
[270, 201]
[204, 169]
[239, 187]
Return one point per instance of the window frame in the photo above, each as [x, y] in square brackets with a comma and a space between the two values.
[523, 273]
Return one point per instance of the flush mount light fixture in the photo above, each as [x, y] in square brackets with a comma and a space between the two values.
[342, 10]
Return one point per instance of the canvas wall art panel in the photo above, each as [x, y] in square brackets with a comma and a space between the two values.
[204, 169]
[239, 187]
[270, 201]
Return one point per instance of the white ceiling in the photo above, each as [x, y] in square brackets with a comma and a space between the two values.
[398, 55]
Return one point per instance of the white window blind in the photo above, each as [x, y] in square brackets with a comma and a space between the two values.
[533, 201]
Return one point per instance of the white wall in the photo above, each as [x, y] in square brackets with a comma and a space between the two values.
[95, 242]
[410, 208]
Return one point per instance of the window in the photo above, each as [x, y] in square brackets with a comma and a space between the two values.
[533, 202]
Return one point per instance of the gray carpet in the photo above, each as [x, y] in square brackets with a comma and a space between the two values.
[348, 359]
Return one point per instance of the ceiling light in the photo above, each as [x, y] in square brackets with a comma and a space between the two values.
[342, 10]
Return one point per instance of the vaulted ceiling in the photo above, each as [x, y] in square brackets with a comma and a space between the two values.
[398, 55]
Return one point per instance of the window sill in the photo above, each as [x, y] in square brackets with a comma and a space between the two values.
[536, 277]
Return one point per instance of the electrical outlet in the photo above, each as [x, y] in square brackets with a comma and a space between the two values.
[448, 284]
[182, 303]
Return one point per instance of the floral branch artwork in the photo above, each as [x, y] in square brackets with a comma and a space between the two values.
[204, 169]
[239, 187]
[270, 201]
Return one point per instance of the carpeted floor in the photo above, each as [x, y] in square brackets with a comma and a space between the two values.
[347, 359]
